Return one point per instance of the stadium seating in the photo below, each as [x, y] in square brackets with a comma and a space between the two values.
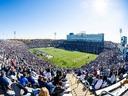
[15, 54]
[114, 89]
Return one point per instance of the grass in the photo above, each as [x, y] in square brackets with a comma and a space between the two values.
[64, 58]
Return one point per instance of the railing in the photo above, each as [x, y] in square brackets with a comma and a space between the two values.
[107, 89]
[106, 92]
[110, 88]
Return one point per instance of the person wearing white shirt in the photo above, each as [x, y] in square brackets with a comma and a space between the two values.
[48, 74]
[98, 83]
[113, 78]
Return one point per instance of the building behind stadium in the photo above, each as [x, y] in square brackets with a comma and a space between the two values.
[86, 37]
[92, 43]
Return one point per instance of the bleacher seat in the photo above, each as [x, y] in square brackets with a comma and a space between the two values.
[67, 94]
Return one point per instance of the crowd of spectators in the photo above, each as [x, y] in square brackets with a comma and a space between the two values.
[37, 43]
[107, 69]
[22, 73]
[18, 50]
[22, 70]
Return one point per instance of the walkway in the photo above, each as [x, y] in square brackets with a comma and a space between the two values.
[77, 88]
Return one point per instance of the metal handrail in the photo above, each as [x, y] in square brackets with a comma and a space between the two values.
[87, 84]
[106, 92]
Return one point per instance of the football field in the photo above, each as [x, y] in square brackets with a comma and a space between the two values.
[64, 58]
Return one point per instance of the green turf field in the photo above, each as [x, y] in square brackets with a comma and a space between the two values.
[64, 58]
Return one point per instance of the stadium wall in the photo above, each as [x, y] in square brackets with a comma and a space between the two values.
[83, 46]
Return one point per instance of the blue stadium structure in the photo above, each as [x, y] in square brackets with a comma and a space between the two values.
[86, 37]
[91, 43]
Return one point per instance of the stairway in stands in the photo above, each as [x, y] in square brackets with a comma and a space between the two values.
[77, 88]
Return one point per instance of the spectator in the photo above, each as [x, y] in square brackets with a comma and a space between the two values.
[23, 80]
[4, 83]
[58, 91]
[44, 92]
[16, 87]
[98, 83]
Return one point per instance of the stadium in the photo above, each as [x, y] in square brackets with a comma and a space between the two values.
[81, 64]
[43, 58]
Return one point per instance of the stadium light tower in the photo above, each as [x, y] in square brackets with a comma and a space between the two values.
[120, 34]
[55, 35]
[14, 34]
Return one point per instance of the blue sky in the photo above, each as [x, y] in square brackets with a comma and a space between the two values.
[42, 18]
